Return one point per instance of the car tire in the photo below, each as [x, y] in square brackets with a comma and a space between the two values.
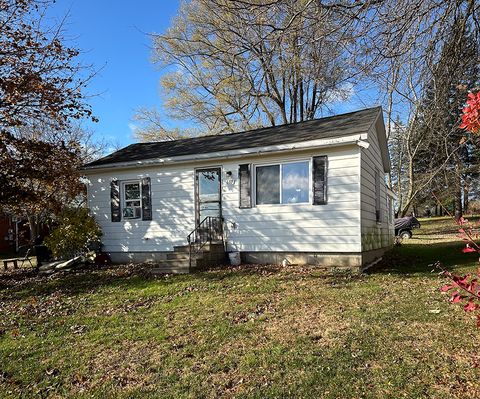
[405, 235]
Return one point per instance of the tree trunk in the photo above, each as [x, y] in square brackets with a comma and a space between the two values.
[465, 198]
[33, 225]
[409, 199]
[458, 191]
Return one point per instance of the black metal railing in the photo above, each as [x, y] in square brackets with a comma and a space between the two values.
[209, 230]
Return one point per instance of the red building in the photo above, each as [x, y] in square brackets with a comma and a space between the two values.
[13, 234]
[7, 234]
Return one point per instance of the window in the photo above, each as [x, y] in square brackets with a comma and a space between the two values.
[295, 182]
[132, 200]
[268, 184]
[286, 183]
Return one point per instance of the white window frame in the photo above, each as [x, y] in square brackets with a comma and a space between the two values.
[124, 200]
[280, 163]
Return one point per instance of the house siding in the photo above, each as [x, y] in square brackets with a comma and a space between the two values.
[331, 228]
[375, 234]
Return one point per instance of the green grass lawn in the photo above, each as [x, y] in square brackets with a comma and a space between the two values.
[252, 332]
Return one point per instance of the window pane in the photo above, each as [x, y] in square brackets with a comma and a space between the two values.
[268, 184]
[132, 191]
[128, 212]
[209, 185]
[295, 183]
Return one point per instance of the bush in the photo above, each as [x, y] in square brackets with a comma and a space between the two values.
[75, 229]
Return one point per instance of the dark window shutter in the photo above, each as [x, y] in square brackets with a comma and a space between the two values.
[115, 201]
[245, 186]
[146, 199]
[319, 177]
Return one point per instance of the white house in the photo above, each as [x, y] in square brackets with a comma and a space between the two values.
[309, 192]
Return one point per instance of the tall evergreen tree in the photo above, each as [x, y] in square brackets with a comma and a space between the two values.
[442, 145]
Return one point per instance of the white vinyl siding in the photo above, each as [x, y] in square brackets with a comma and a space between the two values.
[299, 227]
[376, 231]
[172, 191]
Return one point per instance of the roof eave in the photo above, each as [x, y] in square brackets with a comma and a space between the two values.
[319, 143]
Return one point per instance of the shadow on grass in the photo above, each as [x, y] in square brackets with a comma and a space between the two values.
[418, 259]
[411, 259]
[25, 284]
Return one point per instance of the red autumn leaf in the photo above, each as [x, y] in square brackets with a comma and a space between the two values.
[468, 249]
[470, 306]
[472, 286]
[471, 113]
[461, 281]
[456, 297]
[446, 287]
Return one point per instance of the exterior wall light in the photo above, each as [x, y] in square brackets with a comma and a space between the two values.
[229, 178]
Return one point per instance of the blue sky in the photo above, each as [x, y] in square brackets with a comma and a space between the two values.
[113, 37]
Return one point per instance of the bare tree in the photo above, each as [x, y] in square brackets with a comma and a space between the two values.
[404, 42]
[246, 63]
[150, 127]
[234, 66]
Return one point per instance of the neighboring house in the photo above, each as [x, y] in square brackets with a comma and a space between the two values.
[309, 192]
[7, 234]
[14, 233]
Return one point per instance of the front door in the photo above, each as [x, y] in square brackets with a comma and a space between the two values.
[208, 201]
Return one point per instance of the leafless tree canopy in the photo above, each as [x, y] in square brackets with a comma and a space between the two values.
[234, 65]
[239, 64]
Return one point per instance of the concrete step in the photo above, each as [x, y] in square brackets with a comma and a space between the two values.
[175, 263]
[178, 261]
[182, 256]
[213, 247]
[168, 270]
[208, 256]
[181, 248]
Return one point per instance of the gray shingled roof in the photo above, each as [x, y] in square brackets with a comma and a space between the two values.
[329, 127]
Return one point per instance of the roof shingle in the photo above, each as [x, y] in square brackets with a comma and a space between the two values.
[329, 127]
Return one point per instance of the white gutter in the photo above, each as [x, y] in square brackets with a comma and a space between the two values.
[391, 194]
[351, 139]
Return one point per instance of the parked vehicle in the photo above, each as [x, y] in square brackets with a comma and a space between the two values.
[404, 227]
